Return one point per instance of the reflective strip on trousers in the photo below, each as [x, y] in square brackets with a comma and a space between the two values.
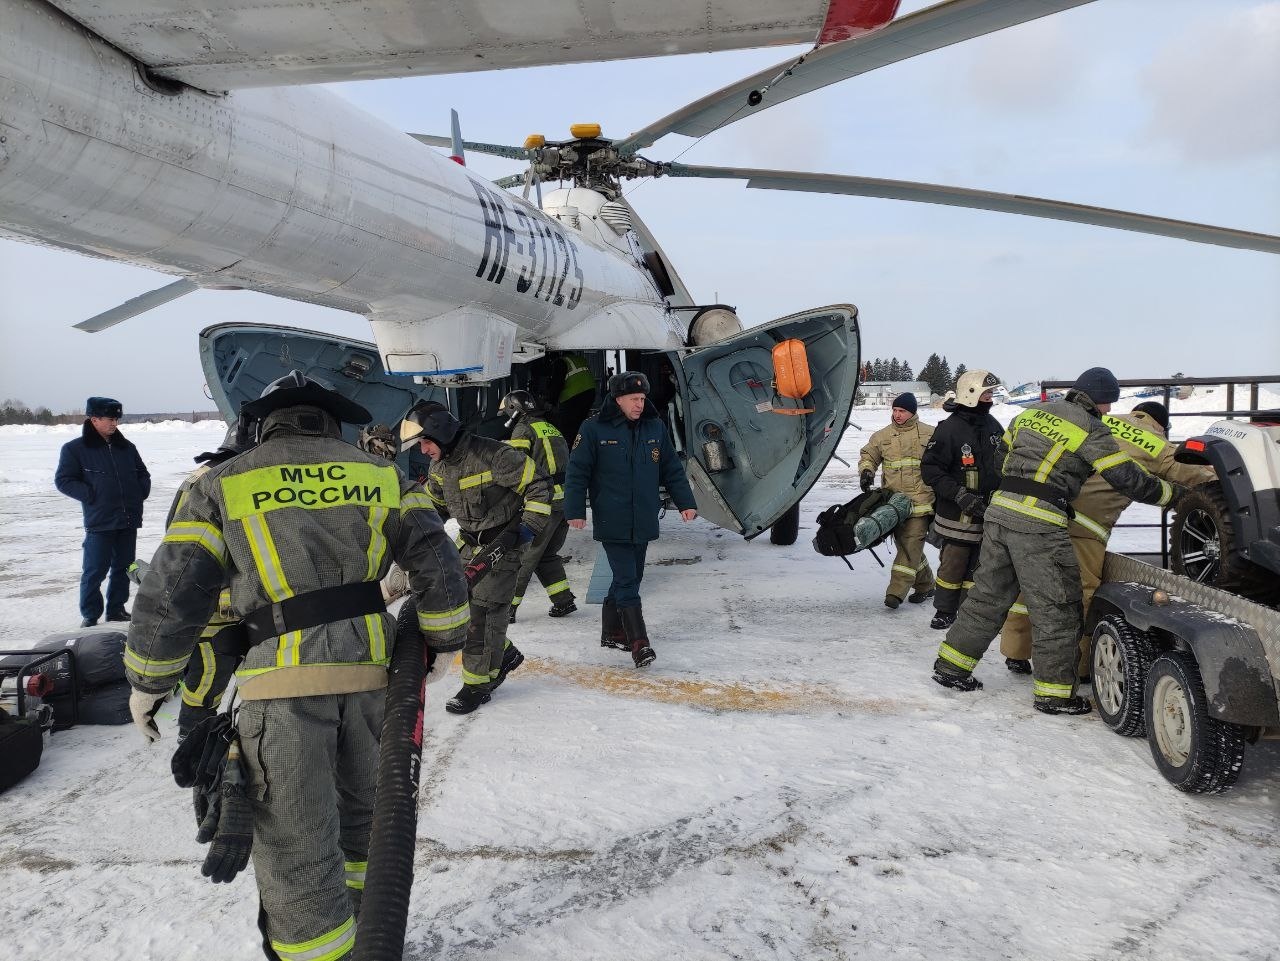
[1045, 689]
[355, 873]
[963, 661]
[330, 945]
[436, 621]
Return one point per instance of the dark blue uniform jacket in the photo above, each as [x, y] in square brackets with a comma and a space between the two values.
[621, 464]
[109, 480]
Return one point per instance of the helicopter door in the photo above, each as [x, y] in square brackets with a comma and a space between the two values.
[747, 464]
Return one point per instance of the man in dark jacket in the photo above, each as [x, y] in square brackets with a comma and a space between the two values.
[621, 457]
[960, 464]
[104, 472]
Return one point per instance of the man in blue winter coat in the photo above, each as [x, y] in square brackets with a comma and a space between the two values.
[621, 457]
[103, 471]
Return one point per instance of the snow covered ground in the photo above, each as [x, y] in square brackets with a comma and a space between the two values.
[784, 783]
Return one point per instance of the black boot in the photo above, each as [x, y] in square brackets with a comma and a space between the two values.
[120, 615]
[562, 605]
[919, 597]
[892, 602]
[468, 699]
[949, 676]
[1018, 665]
[1063, 705]
[611, 632]
[633, 624]
[511, 659]
[942, 620]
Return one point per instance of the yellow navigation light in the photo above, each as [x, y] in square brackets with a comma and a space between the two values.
[534, 141]
[584, 131]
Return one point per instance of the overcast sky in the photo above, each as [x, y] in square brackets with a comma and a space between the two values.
[1160, 107]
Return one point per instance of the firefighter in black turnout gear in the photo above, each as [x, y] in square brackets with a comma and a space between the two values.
[537, 437]
[960, 464]
[1047, 454]
[498, 496]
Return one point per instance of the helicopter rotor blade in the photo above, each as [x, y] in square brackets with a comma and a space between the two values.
[926, 30]
[496, 149]
[983, 200]
[514, 180]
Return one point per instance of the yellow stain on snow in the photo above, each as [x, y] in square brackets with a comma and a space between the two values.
[765, 698]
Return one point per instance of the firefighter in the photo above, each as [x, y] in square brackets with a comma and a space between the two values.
[1143, 436]
[572, 390]
[897, 448]
[496, 494]
[302, 528]
[534, 435]
[960, 465]
[622, 458]
[1048, 452]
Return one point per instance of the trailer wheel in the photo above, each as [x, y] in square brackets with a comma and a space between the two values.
[1196, 753]
[1122, 657]
[1203, 546]
[786, 528]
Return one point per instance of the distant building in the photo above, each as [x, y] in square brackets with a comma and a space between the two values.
[880, 393]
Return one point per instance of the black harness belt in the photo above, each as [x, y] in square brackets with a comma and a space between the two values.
[311, 609]
[1025, 487]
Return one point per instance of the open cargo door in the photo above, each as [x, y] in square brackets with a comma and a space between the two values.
[239, 360]
[747, 464]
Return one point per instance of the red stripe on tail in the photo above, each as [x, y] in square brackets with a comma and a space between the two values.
[852, 18]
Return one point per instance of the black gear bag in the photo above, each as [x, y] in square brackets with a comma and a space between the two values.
[21, 745]
[835, 537]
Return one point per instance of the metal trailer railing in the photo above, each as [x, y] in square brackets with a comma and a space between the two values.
[1167, 387]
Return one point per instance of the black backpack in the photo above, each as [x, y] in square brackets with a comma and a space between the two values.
[21, 744]
[835, 537]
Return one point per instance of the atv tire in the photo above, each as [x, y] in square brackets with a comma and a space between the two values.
[1203, 547]
[1196, 753]
[786, 528]
[1121, 658]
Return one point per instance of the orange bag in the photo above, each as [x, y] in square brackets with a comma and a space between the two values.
[791, 375]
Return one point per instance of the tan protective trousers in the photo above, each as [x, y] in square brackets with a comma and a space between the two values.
[911, 569]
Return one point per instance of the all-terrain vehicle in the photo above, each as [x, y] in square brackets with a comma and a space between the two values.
[1189, 657]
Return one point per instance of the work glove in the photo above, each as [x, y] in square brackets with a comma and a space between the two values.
[975, 505]
[865, 480]
[439, 665]
[233, 841]
[143, 707]
[208, 805]
[137, 571]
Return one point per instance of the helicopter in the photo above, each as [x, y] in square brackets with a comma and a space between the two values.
[163, 142]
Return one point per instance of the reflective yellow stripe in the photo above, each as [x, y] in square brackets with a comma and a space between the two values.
[530, 468]
[355, 873]
[952, 656]
[946, 585]
[330, 945]
[919, 509]
[1027, 506]
[1111, 460]
[515, 601]
[288, 649]
[551, 455]
[469, 678]
[196, 698]
[415, 501]
[537, 507]
[1045, 689]
[904, 570]
[1050, 461]
[475, 480]
[377, 542]
[1019, 608]
[522, 443]
[1167, 492]
[150, 668]
[245, 674]
[197, 532]
[1092, 526]
[430, 621]
[266, 558]
[377, 638]
[310, 487]
[903, 462]
[557, 494]
[557, 587]
[966, 585]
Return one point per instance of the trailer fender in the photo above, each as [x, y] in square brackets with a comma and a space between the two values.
[1237, 678]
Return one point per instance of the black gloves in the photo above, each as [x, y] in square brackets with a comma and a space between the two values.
[865, 480]
[229, 853]
[973, 504]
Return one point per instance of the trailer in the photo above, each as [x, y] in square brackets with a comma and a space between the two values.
[1193, 668]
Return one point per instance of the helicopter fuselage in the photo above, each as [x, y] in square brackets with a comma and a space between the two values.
[295, 192]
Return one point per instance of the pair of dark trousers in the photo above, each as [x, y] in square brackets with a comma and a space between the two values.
[542, 557]
[1043, 567]
[626, 562]
[956, 564]
[106, 551]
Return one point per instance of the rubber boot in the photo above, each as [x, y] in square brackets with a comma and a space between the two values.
[611, 633]
[1063, 705]
[562, 604]
[468, 699]
[1018, 665]
[633, 625]
[950, 676]
[511, 659]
